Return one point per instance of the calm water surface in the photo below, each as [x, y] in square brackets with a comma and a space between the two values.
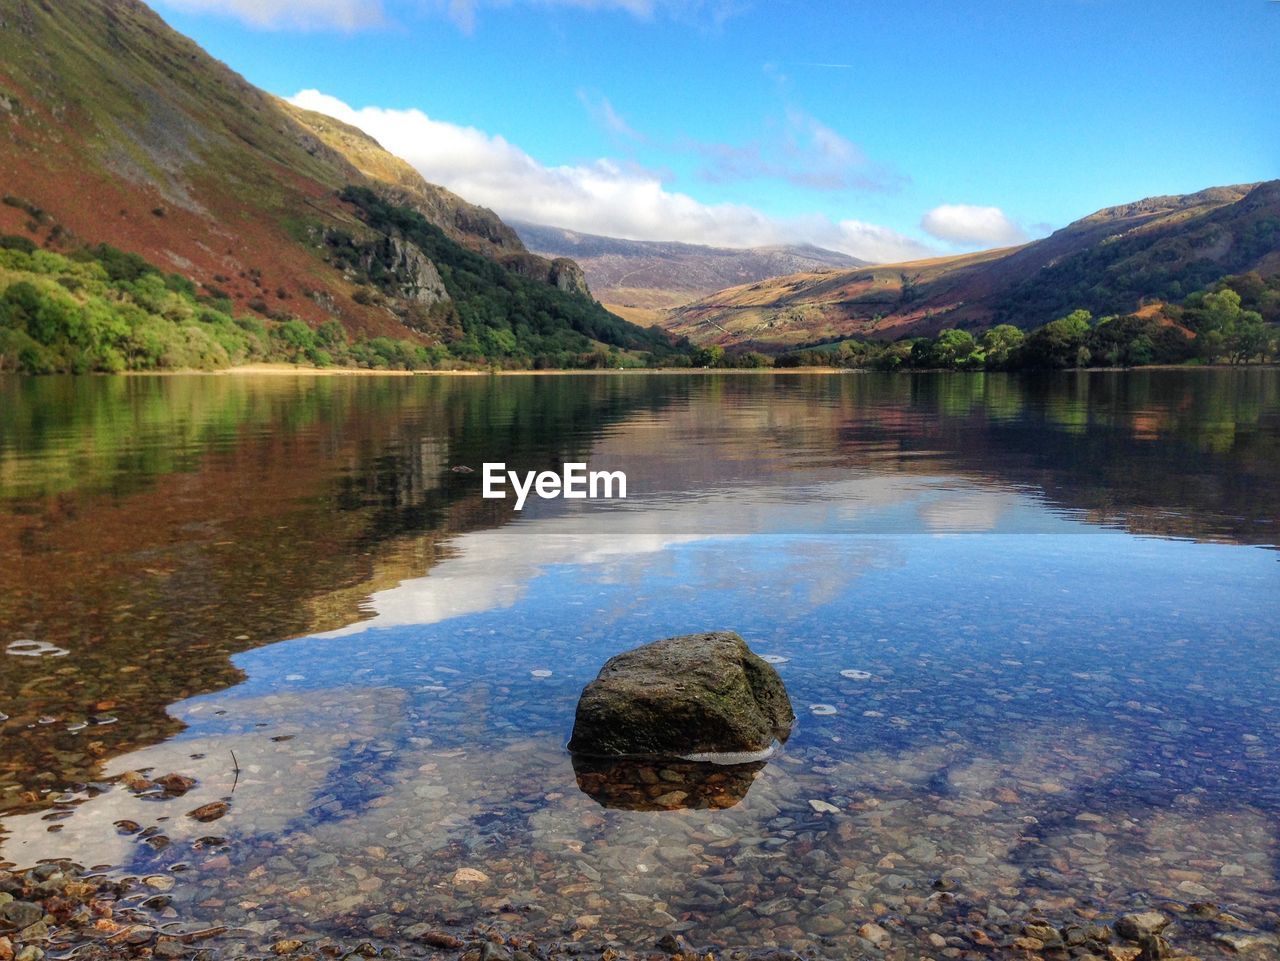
[1029, 627]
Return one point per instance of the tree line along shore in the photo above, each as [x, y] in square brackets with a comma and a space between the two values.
[100, 309]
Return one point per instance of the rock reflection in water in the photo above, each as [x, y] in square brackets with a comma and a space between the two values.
[656, 784]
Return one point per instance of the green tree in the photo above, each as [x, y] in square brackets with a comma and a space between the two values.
[331, 334]
[1249, 339]
[1224, 328]
[295, 337]
[952, 348]
[1059, 343]
[751, 359]
[709, 356]
[1000, 343]
[893, 357]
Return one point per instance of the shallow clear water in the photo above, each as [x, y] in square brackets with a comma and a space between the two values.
[1053, 601]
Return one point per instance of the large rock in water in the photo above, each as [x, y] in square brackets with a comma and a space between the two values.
[697, 694]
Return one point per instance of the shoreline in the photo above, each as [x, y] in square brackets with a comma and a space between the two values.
[276, 369]
[60, 909]
[282, 369]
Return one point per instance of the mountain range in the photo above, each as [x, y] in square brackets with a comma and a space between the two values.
[1113, 261]
[644, 275]
[115, 129]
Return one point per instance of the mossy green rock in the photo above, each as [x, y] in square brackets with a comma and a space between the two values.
[696, 694]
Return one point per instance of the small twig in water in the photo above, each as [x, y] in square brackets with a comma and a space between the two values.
[236, 762]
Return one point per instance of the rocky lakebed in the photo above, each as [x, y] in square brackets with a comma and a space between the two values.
[683, 730]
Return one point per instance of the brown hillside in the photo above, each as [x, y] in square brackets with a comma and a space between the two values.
[1113, 261]
[649, 275]
[115, 128]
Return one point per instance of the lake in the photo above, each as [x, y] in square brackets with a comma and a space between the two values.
[1029, 627]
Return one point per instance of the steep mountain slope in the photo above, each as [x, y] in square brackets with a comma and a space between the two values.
[1161, 248]
[649, 274]
[114, 128]
[476, 228]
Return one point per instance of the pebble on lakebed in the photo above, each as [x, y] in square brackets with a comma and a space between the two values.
[853, 674]
[57, 910]
[28, 648]
[210, 812]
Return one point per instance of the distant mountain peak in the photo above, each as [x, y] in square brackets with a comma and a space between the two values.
[653, 274]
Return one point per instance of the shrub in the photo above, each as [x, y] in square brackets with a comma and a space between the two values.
[13, 242]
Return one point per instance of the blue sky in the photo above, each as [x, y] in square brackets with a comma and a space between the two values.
[884, 129]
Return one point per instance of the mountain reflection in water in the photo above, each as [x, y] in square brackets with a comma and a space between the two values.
[1028, 626]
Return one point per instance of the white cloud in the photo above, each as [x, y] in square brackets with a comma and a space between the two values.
[602, 111]
[805, 152]
[298, 14]
[831, 146]
[600, 197]
[712, 13]
[971, 226]
[464, 12]
[350, 15]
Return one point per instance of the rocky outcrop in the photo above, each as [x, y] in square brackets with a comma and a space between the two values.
[470, 220]
[475, 227]
[568, 276]
[561, 272]
[405, 271]
[683, 697]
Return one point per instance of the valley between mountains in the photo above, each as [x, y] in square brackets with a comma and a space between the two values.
[160, 212]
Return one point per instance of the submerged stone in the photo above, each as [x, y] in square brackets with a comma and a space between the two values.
[1139, 925]
[21, 914]
[1241, 943]
[210, 812]
[696, 694]
[176, 783]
